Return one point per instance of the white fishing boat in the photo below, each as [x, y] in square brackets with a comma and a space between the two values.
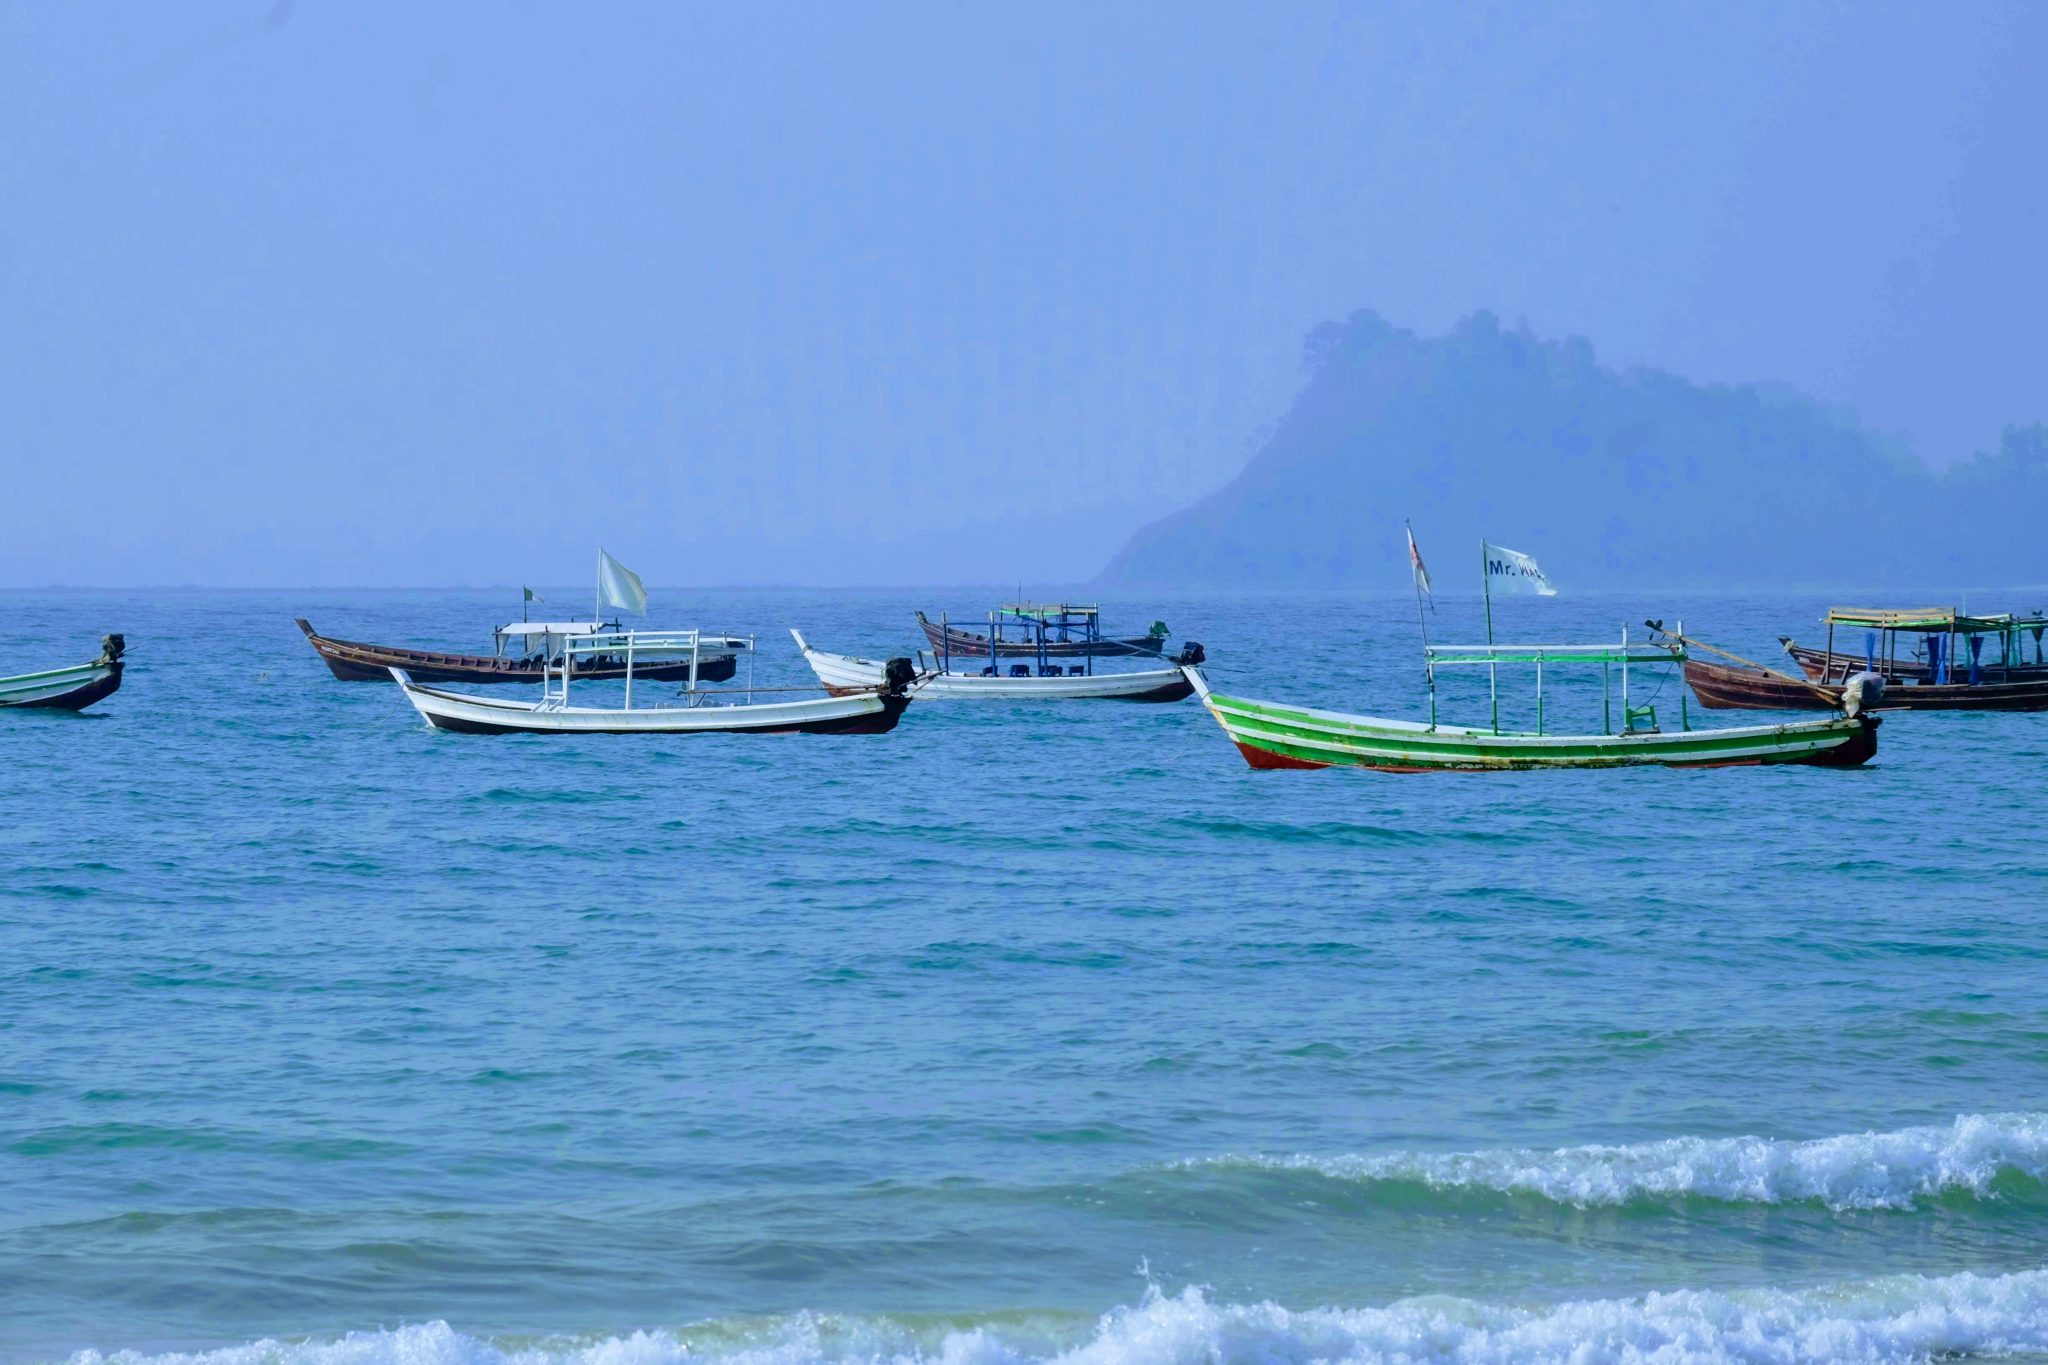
[847, 674]
[872, 710]
[68, 689]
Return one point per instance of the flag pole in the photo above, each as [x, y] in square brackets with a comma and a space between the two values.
[1492, 668]
[1428, 666]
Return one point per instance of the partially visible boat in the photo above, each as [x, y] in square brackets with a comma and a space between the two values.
[69, 689]
[847, 674]
[1954, 662]
[871, 711]
[1724, 687]
[1059, 630]
[1944, 646]
[1281, 735]
[524, 650]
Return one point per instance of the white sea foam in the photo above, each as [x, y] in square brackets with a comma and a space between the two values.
[1902, 1318]
[1890, 1170]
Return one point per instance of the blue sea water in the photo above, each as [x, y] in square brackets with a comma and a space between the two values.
[1021, 1032]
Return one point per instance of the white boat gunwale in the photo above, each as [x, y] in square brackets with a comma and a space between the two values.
[846, 672]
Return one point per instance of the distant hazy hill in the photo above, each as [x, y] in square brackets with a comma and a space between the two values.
[1610, 479]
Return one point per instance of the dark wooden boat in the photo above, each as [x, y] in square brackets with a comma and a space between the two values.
[1726, 687]
[68, 689]
[353, 661]
[1072, 638]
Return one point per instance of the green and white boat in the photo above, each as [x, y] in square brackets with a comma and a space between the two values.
[68, 689]
[1278, 735]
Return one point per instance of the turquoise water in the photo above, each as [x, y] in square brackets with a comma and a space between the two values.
[1018, 1032]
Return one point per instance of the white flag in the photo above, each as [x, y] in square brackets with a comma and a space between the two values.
[1415, 562]
[618, 586]
[1513, 571]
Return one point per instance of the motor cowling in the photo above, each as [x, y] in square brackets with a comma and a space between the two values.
[1863, 692]
[1191, 653]
[112, 647]
[897, 676]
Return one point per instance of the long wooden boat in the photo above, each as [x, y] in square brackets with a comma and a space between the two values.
[1954, 662]
[874, 710]
[354, 661]
[69, 689]
[1068, 632]
[1276, 735]
[1726, 687]
[847, 674]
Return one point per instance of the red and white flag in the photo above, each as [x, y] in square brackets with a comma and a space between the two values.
[1415, 559]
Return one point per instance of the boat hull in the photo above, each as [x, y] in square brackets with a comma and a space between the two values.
[62, 689]
[354, 661]
[967, 645]
[872, 713]
[1723, 688]
[1273, 735]
[845, 674]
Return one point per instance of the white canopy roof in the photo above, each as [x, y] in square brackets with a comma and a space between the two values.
[551, 628]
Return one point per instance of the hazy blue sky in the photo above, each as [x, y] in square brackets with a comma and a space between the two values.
[442, 293]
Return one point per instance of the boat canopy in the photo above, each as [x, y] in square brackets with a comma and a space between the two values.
[1931, 620]
[586, 639]
[1039, 611]
[521, 629]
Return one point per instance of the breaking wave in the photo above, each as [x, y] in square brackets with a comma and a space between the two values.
[1901, 1318]
[1893, 1170]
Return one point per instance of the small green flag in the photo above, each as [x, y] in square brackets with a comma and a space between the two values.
[532, 596]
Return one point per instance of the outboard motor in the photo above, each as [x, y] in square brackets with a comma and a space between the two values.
[897, 676]
[1191, 653]
[1862, 692]
[112, 647]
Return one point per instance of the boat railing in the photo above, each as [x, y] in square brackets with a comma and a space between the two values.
[1448, 655]
[1624, 655]
[635, 646]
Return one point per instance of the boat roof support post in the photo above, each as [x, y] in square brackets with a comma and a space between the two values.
[1626, 723]
[1492, 670]
[1684, 716]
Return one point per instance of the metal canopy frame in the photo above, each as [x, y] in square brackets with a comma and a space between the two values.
[1944, 627]
[1493, 656]
[1047, 624]
[555, 675]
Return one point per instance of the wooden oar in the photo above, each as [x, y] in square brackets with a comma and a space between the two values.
[1690, 643]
